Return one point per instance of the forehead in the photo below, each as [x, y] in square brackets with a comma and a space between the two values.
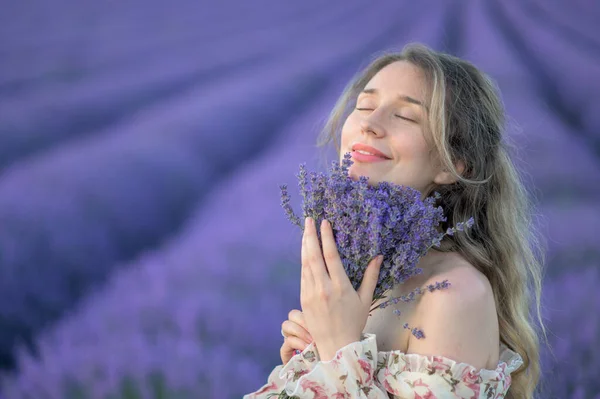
[399, 78]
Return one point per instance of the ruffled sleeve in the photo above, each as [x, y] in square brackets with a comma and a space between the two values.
[417, 376]
[358, 370]
[298, 366]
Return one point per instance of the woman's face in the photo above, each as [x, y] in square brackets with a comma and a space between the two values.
[389, 117]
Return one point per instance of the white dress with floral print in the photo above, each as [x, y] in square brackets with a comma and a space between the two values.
[358, 370]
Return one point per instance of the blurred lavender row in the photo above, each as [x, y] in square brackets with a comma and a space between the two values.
[56, 44]
[562, 61]
[104, 97]
[570, 306]
[155, 322]
[72, 213]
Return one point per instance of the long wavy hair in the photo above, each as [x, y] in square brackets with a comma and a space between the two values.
[467, 121]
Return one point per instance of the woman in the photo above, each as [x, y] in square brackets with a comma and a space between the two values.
[433, 122]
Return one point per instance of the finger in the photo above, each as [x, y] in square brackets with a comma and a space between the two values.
[297, 316]
[315, 263]
[332, 256]
[306, 275]
[295, 343]
[289, 347]
[369, 281]
[291, 329]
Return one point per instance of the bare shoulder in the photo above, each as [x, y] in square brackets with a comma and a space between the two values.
[459, 322]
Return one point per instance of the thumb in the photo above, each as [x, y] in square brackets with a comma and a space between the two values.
[369, 282]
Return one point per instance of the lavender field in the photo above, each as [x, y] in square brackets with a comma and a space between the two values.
[143, 249]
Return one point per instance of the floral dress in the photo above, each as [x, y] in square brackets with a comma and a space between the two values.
[358, 370]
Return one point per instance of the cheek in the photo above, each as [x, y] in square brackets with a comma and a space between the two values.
[347, 129]
[411, 147]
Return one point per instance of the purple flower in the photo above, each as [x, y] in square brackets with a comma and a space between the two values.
[386, 219]
[415, 331]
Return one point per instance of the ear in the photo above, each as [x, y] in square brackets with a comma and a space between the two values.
[445, 177]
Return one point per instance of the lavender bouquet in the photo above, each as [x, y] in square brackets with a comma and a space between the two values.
[386, 219]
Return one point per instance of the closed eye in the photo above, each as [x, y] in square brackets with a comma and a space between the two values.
[406, 119]
[398, 116]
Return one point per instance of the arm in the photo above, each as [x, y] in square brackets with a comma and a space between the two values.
[349, 374]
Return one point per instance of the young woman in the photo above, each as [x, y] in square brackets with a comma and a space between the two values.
[433, 122]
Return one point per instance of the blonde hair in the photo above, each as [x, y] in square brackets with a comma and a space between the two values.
[466, 118]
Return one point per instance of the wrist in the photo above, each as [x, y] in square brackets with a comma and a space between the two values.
[327, 351]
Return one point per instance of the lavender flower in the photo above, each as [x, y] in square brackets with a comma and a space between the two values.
[415, 331]
[386, 219]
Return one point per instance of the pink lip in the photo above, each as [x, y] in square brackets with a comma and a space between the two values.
[377, 156]
[357, 156]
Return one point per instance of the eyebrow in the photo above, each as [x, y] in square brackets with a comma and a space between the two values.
[401, 97]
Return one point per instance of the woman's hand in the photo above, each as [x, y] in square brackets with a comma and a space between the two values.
[335, 313]
[296, 335]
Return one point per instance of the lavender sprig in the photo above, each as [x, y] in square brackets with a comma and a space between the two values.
[285, 203]
[413, 294]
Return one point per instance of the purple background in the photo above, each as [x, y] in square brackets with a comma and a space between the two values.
[142, 144]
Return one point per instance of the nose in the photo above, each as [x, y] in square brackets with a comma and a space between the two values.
[370, 125]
